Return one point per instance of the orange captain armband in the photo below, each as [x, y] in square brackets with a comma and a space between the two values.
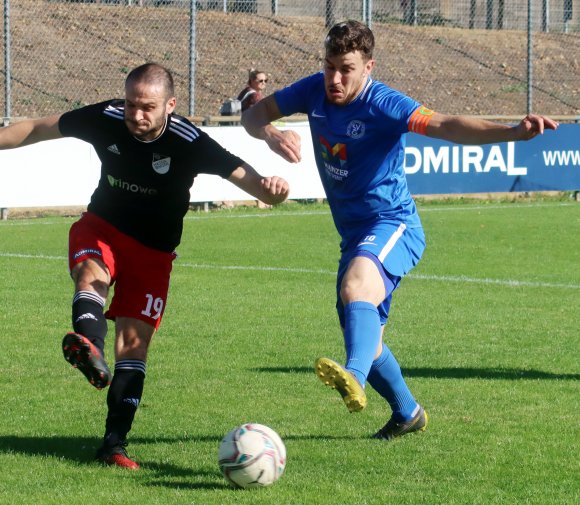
[420, 119]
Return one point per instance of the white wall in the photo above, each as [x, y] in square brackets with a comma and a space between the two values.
[65, 172]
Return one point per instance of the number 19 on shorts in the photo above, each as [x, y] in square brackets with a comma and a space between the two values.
[154, 307]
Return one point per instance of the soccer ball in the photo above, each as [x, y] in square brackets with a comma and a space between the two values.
[252, 455]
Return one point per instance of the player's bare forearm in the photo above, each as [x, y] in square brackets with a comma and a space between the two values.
[472, 130]
[257, 120]
[29, 131]
[271, 190]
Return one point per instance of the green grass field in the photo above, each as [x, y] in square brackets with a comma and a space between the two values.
[486, 329]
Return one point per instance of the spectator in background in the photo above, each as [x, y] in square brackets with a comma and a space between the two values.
[254, 91]
[251, 95]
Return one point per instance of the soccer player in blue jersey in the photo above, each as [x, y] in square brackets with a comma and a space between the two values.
[358, 128]
[149, 157]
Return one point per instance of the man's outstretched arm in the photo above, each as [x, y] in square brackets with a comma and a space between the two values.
[30, 131]
[472, 130]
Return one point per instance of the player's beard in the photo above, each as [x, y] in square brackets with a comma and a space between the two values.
[145, 131]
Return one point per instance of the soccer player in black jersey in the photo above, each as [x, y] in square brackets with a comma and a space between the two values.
[149, 159]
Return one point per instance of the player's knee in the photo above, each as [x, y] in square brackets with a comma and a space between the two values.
[353, 290]
[350, 290]
[91, 275]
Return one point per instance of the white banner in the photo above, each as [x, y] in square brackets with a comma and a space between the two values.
[65, 172]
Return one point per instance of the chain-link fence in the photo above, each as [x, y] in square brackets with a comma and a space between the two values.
[463, 56]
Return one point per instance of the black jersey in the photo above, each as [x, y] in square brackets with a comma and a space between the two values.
[144, 186]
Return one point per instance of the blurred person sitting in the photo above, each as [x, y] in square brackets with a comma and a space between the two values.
[250, 95]
[254, 91]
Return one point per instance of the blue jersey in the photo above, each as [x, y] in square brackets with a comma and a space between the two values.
[359, 150]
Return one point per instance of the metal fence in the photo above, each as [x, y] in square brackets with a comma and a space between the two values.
[487, 57]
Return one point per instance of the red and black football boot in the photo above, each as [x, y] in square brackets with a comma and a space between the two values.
[80, 352]
[116, 455]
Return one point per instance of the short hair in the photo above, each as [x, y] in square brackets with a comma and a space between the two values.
[349, 36]
[153, 73]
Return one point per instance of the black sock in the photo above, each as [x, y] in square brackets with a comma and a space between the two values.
[88, 318]
[123, 399]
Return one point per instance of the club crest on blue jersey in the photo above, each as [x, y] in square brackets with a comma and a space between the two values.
[355, 129]
[161, 163]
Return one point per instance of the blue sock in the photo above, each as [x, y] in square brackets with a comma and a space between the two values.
[362, 333]
[386, 378]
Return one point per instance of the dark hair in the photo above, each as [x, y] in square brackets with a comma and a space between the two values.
[253, 73]
[350, 36]
[153, 73]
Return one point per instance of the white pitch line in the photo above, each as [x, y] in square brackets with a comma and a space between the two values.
[35, 222]
[506, 206]
[502, 282]
[32, 256]
[423, 277]
[421, 210]
[263, 215]
[439, 278]
[256, 268]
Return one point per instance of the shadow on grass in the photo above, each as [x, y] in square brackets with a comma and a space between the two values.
[78, 449]
[486, 373]
[452, 373]
[174, 477]
[81, 450]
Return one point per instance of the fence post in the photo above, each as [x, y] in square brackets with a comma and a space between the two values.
[330, 13]
[192, 34]
[500, 14]
[530, 62]
[472, 11]
[7, 63]
[567, 14]
[367, 12]
[410, 12]
[545, 15]
[489, 15]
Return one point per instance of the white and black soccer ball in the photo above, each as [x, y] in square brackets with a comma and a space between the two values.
[252, 455]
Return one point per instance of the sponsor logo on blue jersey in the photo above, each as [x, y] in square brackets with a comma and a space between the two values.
[334, 159]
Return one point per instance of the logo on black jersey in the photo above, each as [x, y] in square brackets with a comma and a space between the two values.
[161, 163]
[114, 149]
[128, 186]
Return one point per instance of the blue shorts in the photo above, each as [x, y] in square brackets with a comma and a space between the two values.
[393, 247]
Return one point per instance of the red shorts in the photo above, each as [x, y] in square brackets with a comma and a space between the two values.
[140, 274]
